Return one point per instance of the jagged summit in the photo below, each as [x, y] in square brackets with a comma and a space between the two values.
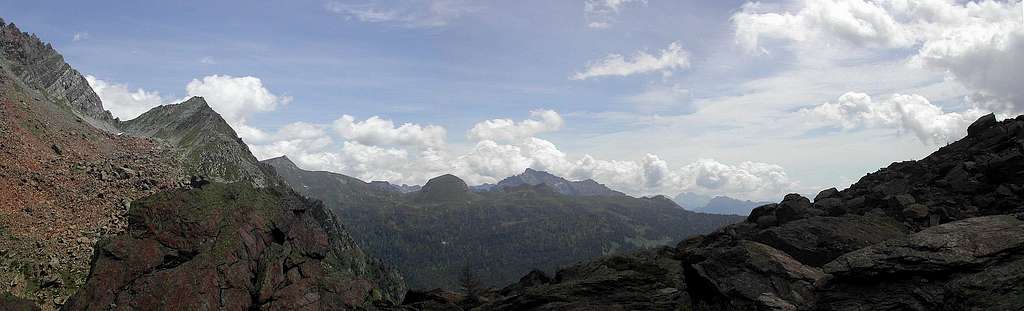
[534, 177]
[43, 70]
[444, 188]
[209, 146]
[281, 162]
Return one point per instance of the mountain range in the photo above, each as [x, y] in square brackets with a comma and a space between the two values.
[534, 220]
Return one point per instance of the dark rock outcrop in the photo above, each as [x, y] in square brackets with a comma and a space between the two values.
[749, 274]
[816, 241]
[233, 247]
[977, 263]
[646, 280]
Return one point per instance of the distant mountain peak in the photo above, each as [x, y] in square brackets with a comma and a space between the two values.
[281, 162]
[210, 146]
[444, 188]
[561, 185]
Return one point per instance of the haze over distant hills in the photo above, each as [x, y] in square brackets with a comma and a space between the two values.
[721, 204]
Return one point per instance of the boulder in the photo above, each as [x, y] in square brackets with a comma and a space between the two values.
[983, 123]
[817, 240]
[973, 264]
[740, 277]
[825, 194]
[793, 207]
[647, 280]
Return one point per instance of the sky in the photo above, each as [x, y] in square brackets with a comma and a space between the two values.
[747, 99]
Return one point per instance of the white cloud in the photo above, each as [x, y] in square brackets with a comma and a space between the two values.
[377, 131]
[671, 58]
[981, 43]
[411, 13]
[600, 14]
[912, 113]
[79, 36]
[508, 130]
[208, 60]
[746, 179]
[990, 61]
[235, 99]
[122, 102]
[375, 149]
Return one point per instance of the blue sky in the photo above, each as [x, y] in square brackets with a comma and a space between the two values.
[727, 115]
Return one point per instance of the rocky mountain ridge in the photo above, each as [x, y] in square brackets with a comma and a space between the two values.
[532, 177]
[207, 145]
[40, 67]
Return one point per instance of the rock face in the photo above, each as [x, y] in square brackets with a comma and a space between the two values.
[40, 67]
[942, 233]
[571, 188]
[233, 247]
[207, 145]
[647, 280]
[747, 274]
[977, 263]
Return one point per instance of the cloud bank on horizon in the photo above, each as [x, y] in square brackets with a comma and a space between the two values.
[854, 73]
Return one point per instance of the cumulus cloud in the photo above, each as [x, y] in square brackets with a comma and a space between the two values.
[746, 179]
[372, 150]
[121, 101]
[237, 98]
[508, 130]
[671, 59]
[910, 113]
[411, 14]
[378, 131]
[981, 43]
[990, 61]
[234, 98]
[601, 14]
